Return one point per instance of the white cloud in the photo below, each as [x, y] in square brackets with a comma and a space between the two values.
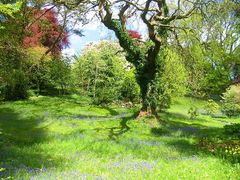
[93, 25]
[68, 52]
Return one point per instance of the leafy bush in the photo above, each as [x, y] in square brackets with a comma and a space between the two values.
[228, 149]
[31, 93]
[105, 95]
[170, 80]
[231, 109]
[231, 101]
[17, 86]
[211, 107]
[100, 72]
[130, 90]
[13, 72]
[232, 130]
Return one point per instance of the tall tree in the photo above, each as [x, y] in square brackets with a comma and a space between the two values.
[46, 31]
[32, 26]
[157, 18]
[211, 48]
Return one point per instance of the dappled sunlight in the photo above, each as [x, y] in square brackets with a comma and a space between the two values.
[19, 141]
[119, 89]
[37, 145]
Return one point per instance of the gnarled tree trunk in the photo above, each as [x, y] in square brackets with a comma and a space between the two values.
[145, 61]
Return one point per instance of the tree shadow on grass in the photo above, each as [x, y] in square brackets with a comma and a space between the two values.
[19, 137]
[179, 133]
[57, 105]
[112, 111]
[112, 132]
[172, 122]
[115, 132]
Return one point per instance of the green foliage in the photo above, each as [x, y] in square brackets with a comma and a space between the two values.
[231, 101]
[60, 74]
[100, 72]
[170, 80]
[18, 61]
[211, 49]
[9, 9]
[232, 130]
[134, 53]
[48, 75]
[53, 143]
[231, 109]
[218, 72]
[130, 90]
[17, 86]
[174, 74]
[13, 75]
[211, 107]
[35, 54]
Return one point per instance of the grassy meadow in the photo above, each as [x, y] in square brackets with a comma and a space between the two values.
[67, 138]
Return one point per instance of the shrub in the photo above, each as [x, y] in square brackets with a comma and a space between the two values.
[130, 90]
[17, 86]
[100, 72]
[170, 80]
[231, 101]
[105, 95]
[227, 149]
[211, 107]
[232, 130]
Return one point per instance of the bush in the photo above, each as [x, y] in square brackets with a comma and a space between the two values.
[31, 93]
[211, 107]
[130, 90]
[105, 95]
[170, 80]
[14, 81]
[232, 130]
[100, 72]
[231, 101]
[17, 86]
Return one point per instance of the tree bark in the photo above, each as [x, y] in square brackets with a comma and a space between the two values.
[145, 64]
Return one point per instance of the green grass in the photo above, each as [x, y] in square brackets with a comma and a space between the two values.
[53, 138]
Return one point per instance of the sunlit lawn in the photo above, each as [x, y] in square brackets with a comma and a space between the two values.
[66, 138]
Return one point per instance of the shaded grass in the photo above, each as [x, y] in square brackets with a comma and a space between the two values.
[36, 144]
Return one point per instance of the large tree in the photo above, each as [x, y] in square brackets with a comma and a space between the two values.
[22, 26]
[211, 48]
[157, 18]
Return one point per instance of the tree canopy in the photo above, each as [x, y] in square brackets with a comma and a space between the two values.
[198, 41]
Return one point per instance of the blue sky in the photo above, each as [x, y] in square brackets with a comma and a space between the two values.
[77, 42]
[91, 34]
[95, 31]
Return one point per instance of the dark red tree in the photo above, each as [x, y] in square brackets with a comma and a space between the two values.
[46, 31]
[134, 34]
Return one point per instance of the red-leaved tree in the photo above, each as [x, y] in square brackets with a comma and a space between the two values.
[134, 34]
[46, 31]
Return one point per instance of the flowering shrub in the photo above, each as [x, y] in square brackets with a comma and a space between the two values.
[226, 149]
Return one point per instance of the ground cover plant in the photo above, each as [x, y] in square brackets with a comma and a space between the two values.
[68, 138]
[151, 92]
